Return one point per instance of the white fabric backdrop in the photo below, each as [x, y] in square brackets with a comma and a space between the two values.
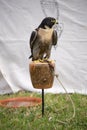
[17, 19]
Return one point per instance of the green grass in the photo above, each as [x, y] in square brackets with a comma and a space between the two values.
[58, 109]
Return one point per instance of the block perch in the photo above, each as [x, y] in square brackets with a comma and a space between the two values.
[42, 74]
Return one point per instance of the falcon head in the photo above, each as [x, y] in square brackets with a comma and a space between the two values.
[48, 22]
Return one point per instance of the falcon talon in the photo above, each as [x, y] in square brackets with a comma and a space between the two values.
[47, 60]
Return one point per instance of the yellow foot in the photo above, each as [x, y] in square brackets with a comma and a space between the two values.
[41, 60]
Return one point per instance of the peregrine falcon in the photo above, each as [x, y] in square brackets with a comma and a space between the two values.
[42, 39]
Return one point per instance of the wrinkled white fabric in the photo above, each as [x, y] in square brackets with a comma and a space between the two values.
[17, 20]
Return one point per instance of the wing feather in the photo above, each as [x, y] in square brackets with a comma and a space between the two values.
[54, 38]
[33, 38]
[32, 41]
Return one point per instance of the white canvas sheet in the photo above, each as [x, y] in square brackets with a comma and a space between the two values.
[18, 18]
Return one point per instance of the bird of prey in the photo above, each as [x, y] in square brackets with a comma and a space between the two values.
[42, 39]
